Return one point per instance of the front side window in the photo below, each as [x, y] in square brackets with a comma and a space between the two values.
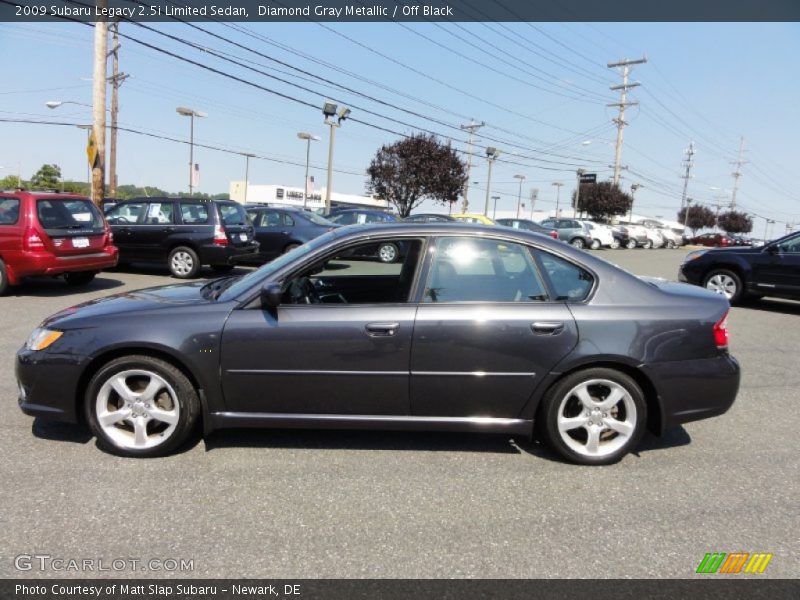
[357, 275]
[466, 269]
[160, 213]
[126, 214]
[9, 211]
[68, 214]
[790, 246]
[194, 213]
[568, 281]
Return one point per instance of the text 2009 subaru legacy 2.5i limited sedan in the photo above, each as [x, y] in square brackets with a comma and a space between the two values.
[475, 329]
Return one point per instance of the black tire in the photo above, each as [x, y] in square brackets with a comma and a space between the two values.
[578, 243]
[79, 277]
[631, 244]
[388, 252]
[612, 445]
[595, 245]
[719, 279]
[291, 247]
[223, 268]
[187, 401]
[183, 262]
[647, 245]
[4, 285]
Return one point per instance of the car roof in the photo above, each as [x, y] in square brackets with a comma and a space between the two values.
[42, 195]
[174, 199]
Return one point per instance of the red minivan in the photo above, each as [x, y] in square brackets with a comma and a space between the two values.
[46, 233]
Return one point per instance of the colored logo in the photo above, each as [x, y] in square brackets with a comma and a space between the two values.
[735, 562]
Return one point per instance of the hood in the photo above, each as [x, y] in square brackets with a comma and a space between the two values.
[737, 249]
[155, 298]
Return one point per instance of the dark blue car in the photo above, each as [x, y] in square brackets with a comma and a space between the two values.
[352, 216]
[279, 230]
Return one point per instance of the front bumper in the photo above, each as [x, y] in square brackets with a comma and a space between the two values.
[47, 384]
[690, 390]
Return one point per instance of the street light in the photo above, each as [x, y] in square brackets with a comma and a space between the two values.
[491, 155]
[634, 187]
[191, 113]
[56, 103]
[309, 138]
[247, 158]
[331, 110]
[558, 185]
[519, 198]
[494, 211]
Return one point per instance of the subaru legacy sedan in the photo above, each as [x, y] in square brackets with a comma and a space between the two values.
[477, 328]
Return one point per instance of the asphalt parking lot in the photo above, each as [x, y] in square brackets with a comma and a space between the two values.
[297, 504]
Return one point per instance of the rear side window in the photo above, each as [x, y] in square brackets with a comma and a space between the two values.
[271, 218]
[194, 213]
[344, 218]
[126, 214]
[68, 214]
[232, 213]
[9, 211]
[569, 282]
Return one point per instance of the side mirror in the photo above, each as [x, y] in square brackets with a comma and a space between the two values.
[773, 248]
[271, 295]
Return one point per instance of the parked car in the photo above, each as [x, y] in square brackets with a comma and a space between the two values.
[184, 233]
[352, 216]
[528, 225]
[473, 218]
[279, 230]
[637, 235]
[740, 240]
[714, 240]
[602, 235]
[621, 237]
[52, 234]
[486, 329]
[672, 239]
[571, 231]
[747, 272]
[429, 218]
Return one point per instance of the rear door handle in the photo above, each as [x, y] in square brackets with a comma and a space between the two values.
[547, 327]
[381, 329]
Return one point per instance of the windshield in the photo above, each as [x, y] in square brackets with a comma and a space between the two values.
[260, 275]
[68, 214]
[232, 213]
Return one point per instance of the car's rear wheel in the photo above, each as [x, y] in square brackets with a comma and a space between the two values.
[631, 244]
[595, 245]
[79, 277]
[724, 282]
[4, 285]
[183, 262]
[615, 244]
[388, 253]
[594, 417]
[141, 406]
[578, 243]
[647, 245]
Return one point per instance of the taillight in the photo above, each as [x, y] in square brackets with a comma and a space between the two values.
[220, 239]
[32, 240]
[109, 237]
[554, 234]
[721, 332]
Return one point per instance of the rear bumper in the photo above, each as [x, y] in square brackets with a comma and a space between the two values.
[230, 254]
[691, 390]
[32, 264]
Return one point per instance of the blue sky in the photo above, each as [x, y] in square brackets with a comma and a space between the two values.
[541, 89]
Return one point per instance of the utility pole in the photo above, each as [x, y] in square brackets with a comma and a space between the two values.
[472, 127]
[558, 185]
[688, 163]
[519, 198]
[737, 173]
[634, 187]
[622, 105]
[580, 173]
[115, 80]
[534, 198]
[99, 105]
[491, 154]
[494, 210]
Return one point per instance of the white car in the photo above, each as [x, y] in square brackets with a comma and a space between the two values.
[671, 237]
[602, 235]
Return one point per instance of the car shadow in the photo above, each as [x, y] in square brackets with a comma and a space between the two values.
[50, 287]
[55, 431]
[321, 439]
[775, 305]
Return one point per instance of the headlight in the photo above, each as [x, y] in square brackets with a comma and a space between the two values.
[694, 255]
[42, 338]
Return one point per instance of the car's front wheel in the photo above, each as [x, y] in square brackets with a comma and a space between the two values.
[726, 283]
[578, 243]
[615, 244]
[594, 417]
[647, 245]
[141, 406]
[595, 245]
[388, 253]
[184, 262]
[631, 244]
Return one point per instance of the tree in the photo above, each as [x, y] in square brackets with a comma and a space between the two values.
[602, 200]
[11, 182]
[735, 222]
[697, 217]
[409, 171]
[46, 178]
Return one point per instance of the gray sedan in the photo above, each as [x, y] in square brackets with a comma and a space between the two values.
[476, 329]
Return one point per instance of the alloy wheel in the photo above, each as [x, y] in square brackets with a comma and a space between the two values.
[387, 253]
[723, 284]
[182, 263]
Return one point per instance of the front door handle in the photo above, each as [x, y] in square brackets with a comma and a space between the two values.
[381, 329]
[169, 229]
[547, 327]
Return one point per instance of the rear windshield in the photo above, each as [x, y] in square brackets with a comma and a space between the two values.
[68, 214]
[232, 213]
